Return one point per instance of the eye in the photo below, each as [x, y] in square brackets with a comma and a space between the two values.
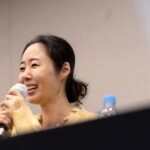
[22, 69]
[34, 65]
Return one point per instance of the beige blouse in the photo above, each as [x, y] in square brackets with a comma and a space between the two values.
[24, 121]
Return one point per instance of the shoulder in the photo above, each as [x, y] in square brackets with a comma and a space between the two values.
[80, 114]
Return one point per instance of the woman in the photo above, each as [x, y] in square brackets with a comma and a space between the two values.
[47, 69]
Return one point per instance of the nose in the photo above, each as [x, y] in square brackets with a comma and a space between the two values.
[26, 75]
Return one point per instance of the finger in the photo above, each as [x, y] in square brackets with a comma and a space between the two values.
[6, 119]
[12, 102]
[4, 106]
[9, 97]
[6, 122]
[14, 92]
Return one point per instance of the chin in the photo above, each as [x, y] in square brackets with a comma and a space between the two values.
[33, 100]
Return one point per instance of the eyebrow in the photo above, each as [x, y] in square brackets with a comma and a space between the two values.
[32, 59]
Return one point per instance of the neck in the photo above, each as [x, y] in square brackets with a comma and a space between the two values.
[53, 113]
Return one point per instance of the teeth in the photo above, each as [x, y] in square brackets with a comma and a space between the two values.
[32, 87]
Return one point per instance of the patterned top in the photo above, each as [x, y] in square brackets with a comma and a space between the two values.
[24, 121]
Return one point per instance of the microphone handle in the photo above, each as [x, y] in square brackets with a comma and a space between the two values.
[3, 128]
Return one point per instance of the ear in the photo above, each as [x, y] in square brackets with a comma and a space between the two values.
[65, 70]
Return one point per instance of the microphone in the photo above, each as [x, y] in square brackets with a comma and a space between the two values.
[21, 88]
[23, 91]
[3, 129]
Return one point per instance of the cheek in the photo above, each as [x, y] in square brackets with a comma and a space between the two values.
[44, 79]
[20, 79]
[51, 82]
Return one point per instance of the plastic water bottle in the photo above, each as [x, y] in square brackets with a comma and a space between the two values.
[109, 106]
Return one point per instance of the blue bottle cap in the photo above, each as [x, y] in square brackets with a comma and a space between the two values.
[110, 100]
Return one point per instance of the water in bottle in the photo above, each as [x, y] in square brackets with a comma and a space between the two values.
[109, 106]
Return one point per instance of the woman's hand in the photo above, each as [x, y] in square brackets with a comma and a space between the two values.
[11, 102]
[5, 116]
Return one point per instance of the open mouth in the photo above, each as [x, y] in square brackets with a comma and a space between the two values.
[31, 88]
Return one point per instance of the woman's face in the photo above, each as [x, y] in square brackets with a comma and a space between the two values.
[38, 74]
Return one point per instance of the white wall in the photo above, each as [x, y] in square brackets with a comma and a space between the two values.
[110, 38]
[5, 47]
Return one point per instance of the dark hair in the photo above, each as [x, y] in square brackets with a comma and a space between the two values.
[60, 51]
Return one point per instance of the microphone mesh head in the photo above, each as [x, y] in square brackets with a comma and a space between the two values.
[21, 88]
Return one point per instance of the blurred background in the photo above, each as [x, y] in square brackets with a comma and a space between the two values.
[111, 40]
